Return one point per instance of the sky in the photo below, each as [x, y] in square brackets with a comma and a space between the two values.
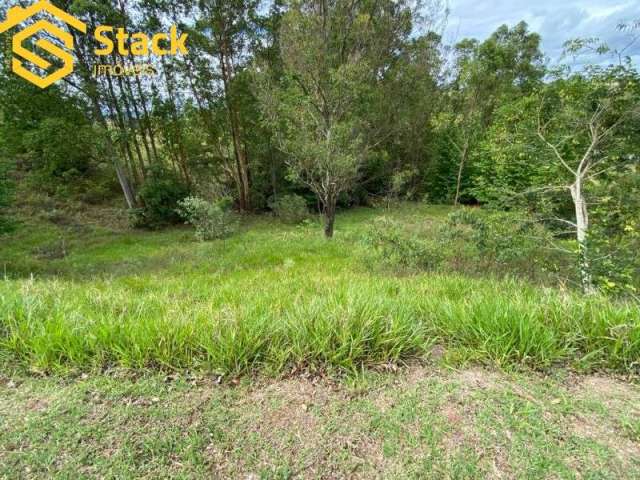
[555, 20]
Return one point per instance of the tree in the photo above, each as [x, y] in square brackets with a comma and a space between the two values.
[337, 57]
[486, 75]
[401, 114]
[566, 138]
[579, 121]
[224, 31]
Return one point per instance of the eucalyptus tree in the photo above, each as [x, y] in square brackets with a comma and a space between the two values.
[222, 39]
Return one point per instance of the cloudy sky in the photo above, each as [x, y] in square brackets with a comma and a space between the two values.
[556, 20]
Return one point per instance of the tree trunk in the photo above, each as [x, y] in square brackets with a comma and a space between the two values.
[181, 155]
[582, 230]
[125, 134]
[242, 165]
[93, 92]
[329, 216]
[463, 159]
[147, 117]
[129, 196]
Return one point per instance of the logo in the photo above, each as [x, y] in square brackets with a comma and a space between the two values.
[17, 15]
[127, 44]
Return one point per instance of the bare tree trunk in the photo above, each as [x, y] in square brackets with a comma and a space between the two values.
[147, 117]
[582, 229]
[123, 180]
[138, 120]
[463, 159]
[125, 149]
[125, 131]
[181, 154]
[93, 92]
[129, 196]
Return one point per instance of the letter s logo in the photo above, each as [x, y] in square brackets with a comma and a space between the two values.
[17, 15]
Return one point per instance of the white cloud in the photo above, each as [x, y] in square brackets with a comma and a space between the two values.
[555, 20]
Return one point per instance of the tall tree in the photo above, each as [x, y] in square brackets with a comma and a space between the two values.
[337, 57]
[580, 125]
[506, 65]
[224, 31]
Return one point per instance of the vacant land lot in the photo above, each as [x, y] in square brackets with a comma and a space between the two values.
[274, 298]
[278, 354]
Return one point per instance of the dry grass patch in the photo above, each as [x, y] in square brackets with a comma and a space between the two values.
[418, 422]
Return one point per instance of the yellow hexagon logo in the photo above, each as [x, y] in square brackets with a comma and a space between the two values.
[16, 16]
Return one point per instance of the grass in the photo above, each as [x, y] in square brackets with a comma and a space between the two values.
[416, 423]
[275, 298]
[149, 355]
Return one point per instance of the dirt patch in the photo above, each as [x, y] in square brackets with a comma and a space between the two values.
[37, 405]
[604, 433]
[479, 379]
[606, 389]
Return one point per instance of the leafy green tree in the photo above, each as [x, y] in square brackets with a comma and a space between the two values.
[567, 138]
[400, 117]
[224, 35]
[485, 75]
[511, 164]
[614, 238]
[327, 103]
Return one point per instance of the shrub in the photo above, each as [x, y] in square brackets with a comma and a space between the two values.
[614, 238]
[212, 220]
[6, 194]
[290, 209]
[506, 241]
[403, 184]
[471, 241]
[53, 158]
[159, 196]
[396, 246]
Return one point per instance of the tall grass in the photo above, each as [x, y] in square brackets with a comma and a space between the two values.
[275, 320]
[273, 298]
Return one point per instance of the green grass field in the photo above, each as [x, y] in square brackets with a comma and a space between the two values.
[276, 298]
[277, 354]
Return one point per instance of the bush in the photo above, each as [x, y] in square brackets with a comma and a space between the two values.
[505, 241]
[6, 194]
[212, 220]
[159, 196]
[614, 238]
[471, 241]
[290, 209]
[396, 246]
[403, 184]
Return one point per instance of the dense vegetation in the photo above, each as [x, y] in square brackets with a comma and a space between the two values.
[341, 103]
